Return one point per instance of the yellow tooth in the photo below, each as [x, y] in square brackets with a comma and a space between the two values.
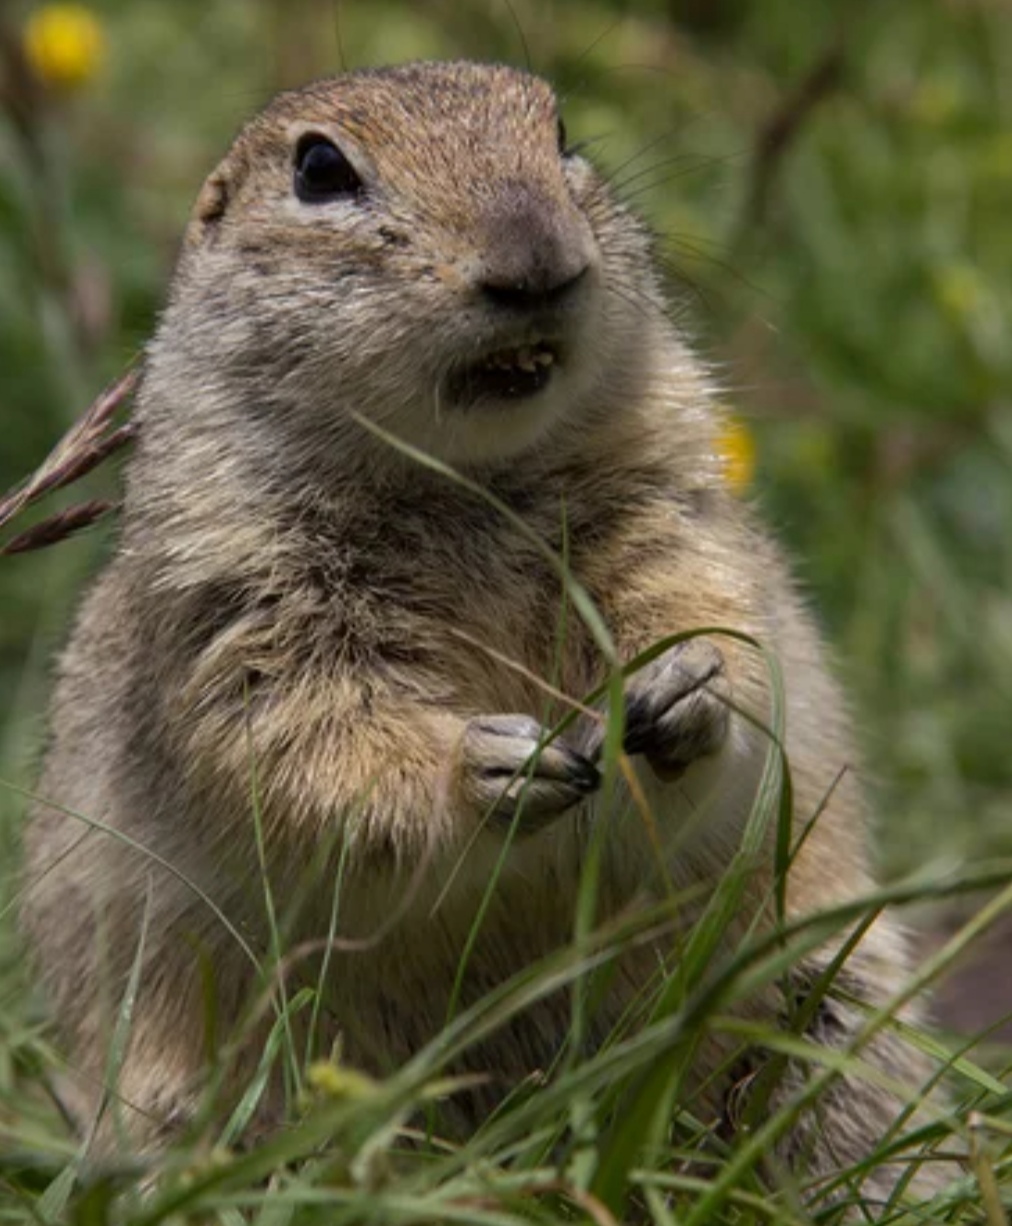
[525, 358]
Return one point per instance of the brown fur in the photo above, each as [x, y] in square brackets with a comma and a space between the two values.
[288, 592]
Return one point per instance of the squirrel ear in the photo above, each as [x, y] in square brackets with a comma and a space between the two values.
[211, 203]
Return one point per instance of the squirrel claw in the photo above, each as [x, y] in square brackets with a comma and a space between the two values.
[677, 707]
[509, 767]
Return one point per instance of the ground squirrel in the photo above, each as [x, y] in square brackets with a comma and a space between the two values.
[302, 614]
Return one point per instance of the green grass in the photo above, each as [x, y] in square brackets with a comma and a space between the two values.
[603, 1134]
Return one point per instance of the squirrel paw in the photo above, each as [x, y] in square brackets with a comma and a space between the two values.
[550, 778]
[677, 707]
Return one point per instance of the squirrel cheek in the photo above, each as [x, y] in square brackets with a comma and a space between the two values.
[450, 276]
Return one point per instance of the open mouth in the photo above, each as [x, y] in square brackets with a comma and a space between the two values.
[507, 374]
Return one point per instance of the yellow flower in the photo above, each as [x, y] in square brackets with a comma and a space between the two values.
[736, 448]
[333, 1081]
[960, 289]
[64, 44]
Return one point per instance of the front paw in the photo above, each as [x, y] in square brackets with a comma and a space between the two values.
[677, 707]
[506, 766]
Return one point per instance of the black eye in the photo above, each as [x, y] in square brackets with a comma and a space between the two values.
[322, 171]
[563, 138]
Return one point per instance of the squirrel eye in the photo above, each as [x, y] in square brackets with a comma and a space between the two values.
[322, 171]
[563, 138]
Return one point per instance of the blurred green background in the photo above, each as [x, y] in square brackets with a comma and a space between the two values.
[833, 187]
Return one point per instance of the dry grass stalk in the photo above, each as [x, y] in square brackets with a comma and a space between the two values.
[58, 527]
[90, 441]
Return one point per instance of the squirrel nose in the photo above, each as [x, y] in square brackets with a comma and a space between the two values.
[543, 288]
[535, 250]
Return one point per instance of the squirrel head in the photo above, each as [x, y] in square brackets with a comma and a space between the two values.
[417, 247]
